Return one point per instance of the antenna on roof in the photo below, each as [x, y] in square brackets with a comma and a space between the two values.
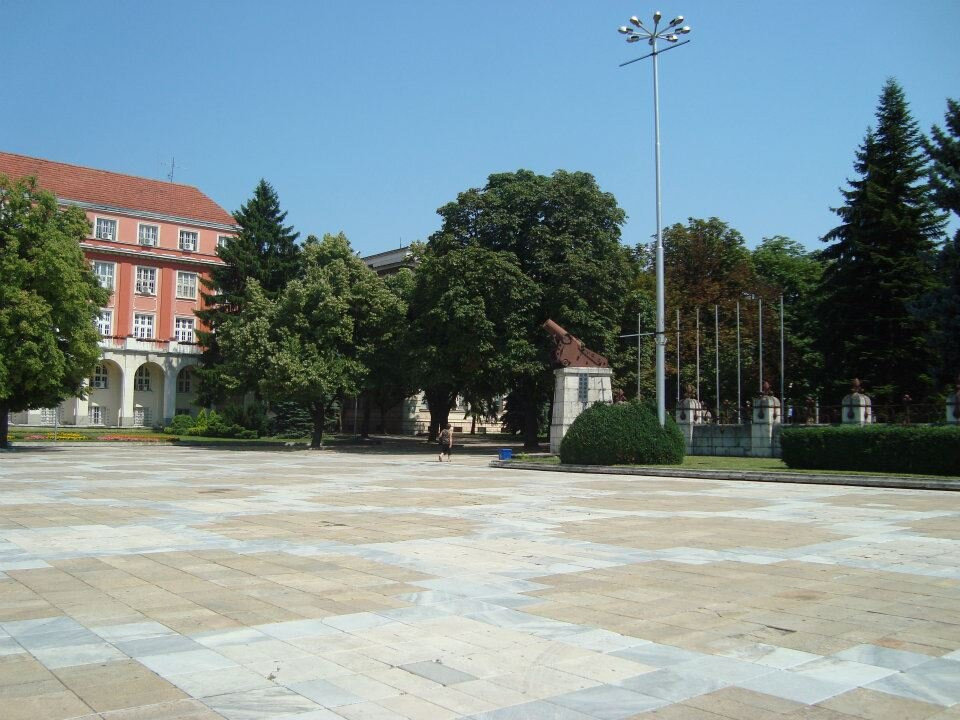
[173, 166]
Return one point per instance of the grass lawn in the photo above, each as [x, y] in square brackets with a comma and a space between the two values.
[714, 462]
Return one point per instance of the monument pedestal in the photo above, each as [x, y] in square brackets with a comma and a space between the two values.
[574, 390]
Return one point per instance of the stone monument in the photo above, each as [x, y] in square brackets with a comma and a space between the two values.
[857, 408]
[765, 424]
[581, 378]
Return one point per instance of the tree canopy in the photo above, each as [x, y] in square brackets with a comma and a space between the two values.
[310, 344]
[554, 243]
[49, 301]
[264, 250]
[881, 261]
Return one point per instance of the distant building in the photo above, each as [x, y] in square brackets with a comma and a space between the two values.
[151, 243]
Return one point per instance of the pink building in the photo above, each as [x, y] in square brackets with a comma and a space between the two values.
[151, 243]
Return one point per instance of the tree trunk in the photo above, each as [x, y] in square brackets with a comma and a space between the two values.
[382, 425]
[4, 426]
[319, 414]
[531, 419]
[365, 421]
[439, 400]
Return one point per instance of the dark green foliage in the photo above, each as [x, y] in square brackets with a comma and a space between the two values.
[180, 424]
[265, 250]
[252, 416]
[516, 412]
[212, 424]
[942, 305]
[290, 420]
[881, 261]
[919, 449]
[521, 249]
[623, 434]
[49, 300]
[783, 266]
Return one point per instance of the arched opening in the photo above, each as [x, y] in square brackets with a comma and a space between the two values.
[103, 402]
[148, 380]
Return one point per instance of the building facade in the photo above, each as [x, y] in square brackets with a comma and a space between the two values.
[151, 243]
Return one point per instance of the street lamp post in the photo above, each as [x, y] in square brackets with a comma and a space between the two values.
[669, 33]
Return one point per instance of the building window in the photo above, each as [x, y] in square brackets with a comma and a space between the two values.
[104, 272]
[105, 323]
[143, 326]
[147, 280]
[183, 330]
[186, 285]
[188, 240]
[141, 379]
[184, 382]
[222, 240]
[50, 416]
[99, 379]
[142, 416]
[95, 415]
[105, 229]
[148, 234]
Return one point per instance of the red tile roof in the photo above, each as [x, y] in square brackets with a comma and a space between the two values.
[101, 187]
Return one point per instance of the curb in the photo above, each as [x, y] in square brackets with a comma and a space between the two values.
[883, 481]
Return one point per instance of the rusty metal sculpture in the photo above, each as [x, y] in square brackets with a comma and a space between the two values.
[568, 351]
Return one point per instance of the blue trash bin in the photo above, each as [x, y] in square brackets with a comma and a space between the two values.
[506, 454]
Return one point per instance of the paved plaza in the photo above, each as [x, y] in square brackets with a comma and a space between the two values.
[149, 583]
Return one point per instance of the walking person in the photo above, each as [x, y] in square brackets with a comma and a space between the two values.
[445, 439]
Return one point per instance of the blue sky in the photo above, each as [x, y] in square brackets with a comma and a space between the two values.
[367, 117]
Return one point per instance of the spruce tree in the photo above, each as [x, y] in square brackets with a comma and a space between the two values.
[264, 249]
[943, 304]
[880, 262]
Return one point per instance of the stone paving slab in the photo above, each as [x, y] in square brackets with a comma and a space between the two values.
[184, 583]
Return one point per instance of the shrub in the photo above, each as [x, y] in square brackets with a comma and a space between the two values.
[921, 449]
[212, 424]
[622, 434]
[179, 425]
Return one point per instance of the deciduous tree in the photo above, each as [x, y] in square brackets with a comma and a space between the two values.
[311, 344]
[49, 301]
[562, 234]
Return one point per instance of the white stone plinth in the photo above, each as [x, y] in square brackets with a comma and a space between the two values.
[953, 408]
[571, 396]
[766, 418]
[857, 409]
[689, 412]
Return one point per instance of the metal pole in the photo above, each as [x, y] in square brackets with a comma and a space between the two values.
[716, 356]
[760, 315]
[639, 330]
[783, 398]
[660, 336]
[678, 357]
[738, 363]
[698, 353]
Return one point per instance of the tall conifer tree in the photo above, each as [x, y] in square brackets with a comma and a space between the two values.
[943, 304]
[881, 261]
[264, 249]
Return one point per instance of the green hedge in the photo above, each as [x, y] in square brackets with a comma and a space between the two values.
[919, 449]
[622, 434]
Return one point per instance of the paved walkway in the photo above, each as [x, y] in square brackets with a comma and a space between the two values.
[192, 584]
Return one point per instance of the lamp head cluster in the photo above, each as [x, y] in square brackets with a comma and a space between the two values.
[670, 32]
